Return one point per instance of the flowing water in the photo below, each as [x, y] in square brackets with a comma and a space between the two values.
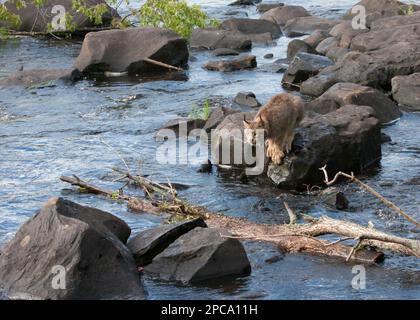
[86, 129]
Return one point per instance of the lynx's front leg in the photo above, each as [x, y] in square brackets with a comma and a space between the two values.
[275, 151]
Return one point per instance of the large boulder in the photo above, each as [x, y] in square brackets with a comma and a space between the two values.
[281, 15]
[33, 78]
[149, 243]
[84, 245]
[295, 46]
[344, 33]
[342, 94]
[304, 66]
[201, 254]
[377, 9]
[240, 63]
[252, 27]
[316, 37]
[306, 25]
[211, 39]
[125, 51]
[348, 140]
[34, 19]
[406, 91]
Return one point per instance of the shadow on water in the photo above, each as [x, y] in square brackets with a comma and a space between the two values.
[86, 128]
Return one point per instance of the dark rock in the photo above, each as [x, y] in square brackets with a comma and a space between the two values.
[87, 242]
[278, 66]
[182, 124]
[300, 26]
[247, 99]
[217, 116]
[149, 243]
[348, 140]
[316, 37]
[225, 52]
[385, 138]
[269, 56]
[241, 63]
[31, 78]
[283, 14]
[303, 66]
[334, 198]
[124, 51]
[342, 94]
[264, 7]
[245, 2]
[31, 21]
[406, 91]
[295, 46]
[206, 167]
[252, 27]
[201, 254]
[211, 39]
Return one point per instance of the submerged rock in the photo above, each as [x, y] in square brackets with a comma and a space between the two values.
[149, 243]
[244, 2]
[38, 78]
[241, 63]
[201, 254]
[34, 19]
[225, 52]
[124, 50]
[283, 14]
[84, 246]
[406, 91]
[342, 94]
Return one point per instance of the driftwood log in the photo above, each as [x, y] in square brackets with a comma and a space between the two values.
[291, 238]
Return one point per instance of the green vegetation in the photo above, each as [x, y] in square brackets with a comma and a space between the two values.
[407, 10]
[203, 113]
[175, 15]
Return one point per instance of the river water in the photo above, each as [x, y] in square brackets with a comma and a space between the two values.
[85, 129]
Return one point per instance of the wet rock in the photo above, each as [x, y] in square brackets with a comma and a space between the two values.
[225, 52]
[377, 9]
[149, 243]
[264, 7]
[303, 66]
[406, 91]
[181, 126]
[201, 254]
[87, 242]
[206, 167]
[385, 138]
[32, 22]
[211, 39]
[241, 63]
[295, 46]
[124, 51]
[300, 26]
[252, 27]
[348, 139]
[269, 56]
[342, 94]
[229, 136]
[283, 14]
[217, 116]
[245, 2]
[334, 198]
[37, 78]
[247, 99]
[278, 66]
[316, 37]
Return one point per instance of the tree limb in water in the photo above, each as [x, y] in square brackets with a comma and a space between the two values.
[290, 238]
[352, 178]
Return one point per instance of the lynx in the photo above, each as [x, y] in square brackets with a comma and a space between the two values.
[278, 118]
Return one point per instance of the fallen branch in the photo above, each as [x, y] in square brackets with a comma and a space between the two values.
[352, 178]
[290, 238]
[161, 64]
[292, 215]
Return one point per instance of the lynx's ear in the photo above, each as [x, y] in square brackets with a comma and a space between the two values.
[260, 120]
